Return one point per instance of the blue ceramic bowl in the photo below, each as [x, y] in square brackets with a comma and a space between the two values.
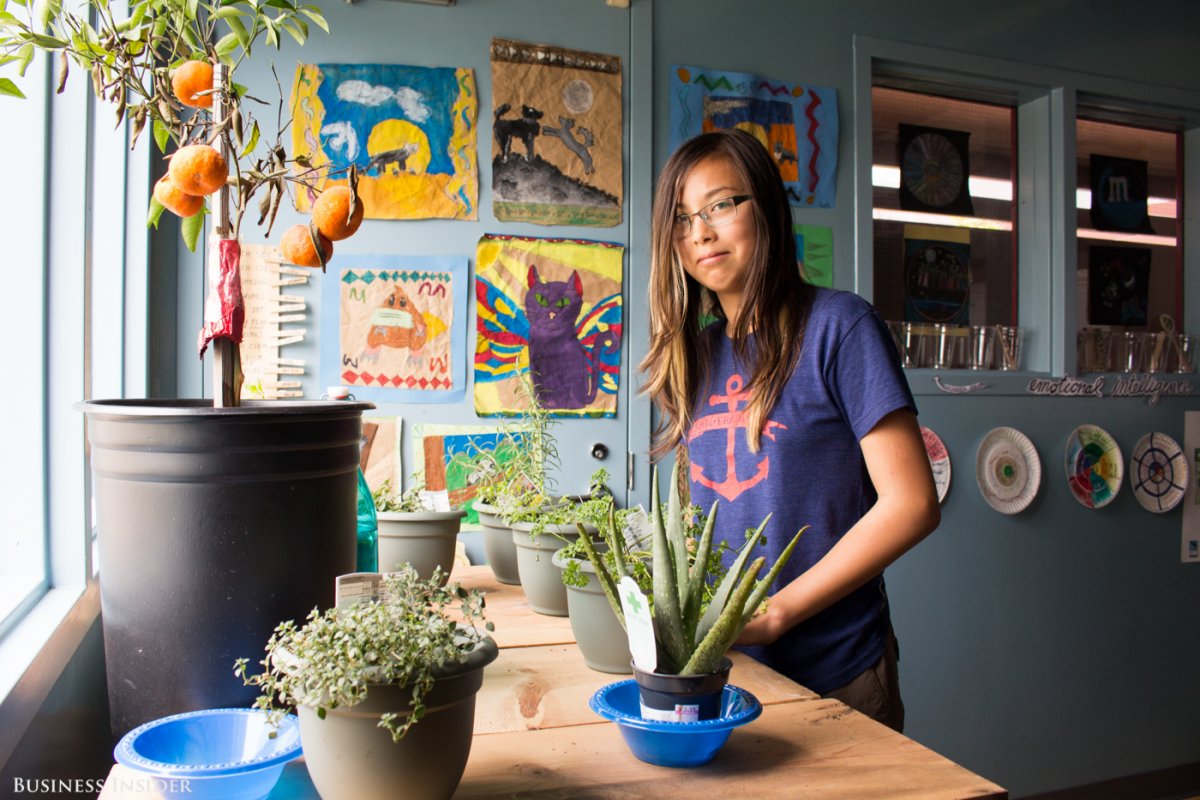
[673, 744]
[221, 753]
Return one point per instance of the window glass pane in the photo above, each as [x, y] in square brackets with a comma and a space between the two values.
[944, 232]
[22, 351]
[1129, 262]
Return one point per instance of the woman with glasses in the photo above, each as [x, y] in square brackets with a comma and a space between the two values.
[788, 399]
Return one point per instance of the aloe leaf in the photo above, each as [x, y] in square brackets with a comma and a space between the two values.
[667, 619]
[760, 591]
[616, 543]
[710, 650]
[699, 574]
[607, 583]
[717, 605]
[677, 538]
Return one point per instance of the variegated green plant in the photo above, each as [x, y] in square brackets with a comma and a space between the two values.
[694, 623]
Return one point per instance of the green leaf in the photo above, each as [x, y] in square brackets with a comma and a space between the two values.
[191, 229]
[250, 144]
[156, 211]
[225, 47]
[294, 31]
[228, 12]
[26, 56]
[239, 30]
[9, 89]
[272, 33]
[43, 41]
[316, 17]
[192, 8]
[162, 135]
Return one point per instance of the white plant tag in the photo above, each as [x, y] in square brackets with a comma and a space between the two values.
[638, 533]
[355, 588]
[638, 624]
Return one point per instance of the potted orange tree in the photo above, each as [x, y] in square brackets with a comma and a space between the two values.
[197, 500]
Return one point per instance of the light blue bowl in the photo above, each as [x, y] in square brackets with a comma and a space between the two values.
[673, 744]
[220, 753]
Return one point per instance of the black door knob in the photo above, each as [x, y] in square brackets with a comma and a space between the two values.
[599, 451]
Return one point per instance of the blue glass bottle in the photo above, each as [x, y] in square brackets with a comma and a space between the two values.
[368, 528]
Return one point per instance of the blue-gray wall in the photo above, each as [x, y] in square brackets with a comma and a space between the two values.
[1050, 649]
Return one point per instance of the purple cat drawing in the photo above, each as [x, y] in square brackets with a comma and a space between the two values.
[557, 360]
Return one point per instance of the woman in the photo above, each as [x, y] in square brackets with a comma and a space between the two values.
[792, 402]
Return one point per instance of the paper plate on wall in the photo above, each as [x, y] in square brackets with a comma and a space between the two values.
[939, 461]
[1158, 472]
[1008, 470]
[1094, 465]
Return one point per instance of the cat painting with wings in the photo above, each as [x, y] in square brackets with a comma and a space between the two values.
[557, 318]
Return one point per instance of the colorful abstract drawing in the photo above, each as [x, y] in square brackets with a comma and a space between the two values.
[458, 459]
[556, 149]
[550, 309]
[797, 123]
[394, 327]
[935, 164]
[409, 130]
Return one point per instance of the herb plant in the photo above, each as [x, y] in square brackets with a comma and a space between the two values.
[414, 630]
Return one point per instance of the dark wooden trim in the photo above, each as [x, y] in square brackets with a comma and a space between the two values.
[1173, 783]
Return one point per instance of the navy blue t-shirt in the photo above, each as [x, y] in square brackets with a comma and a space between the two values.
[808, 471]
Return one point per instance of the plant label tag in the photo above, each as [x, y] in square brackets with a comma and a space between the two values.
[638, 624]
[355, 588]
[638, 533]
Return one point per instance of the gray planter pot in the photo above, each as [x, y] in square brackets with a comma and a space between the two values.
[424, 539]
[598, 632]
[349, 757]
[200, 513]
[541, 580]
[498, 544]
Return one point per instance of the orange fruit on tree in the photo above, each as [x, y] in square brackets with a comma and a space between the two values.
[296, 245]
[331, 213]
[198, 169]
[175, 201]
[191, 77]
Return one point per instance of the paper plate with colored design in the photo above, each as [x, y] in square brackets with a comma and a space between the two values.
[1008, 470]
[1094, 465]
[939, 461]
[1158, 472]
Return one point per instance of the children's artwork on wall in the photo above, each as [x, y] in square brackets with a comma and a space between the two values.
[380, 458]
[556, 124]
[409, 130]
[549, 308]
[937, 275]
[1120, 194]
[394, 327]
[797, 123]
[454, 460]
[1118, 285]
[814, 248]
[935, 165]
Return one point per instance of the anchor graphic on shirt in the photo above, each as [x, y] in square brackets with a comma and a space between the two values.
[730, 421]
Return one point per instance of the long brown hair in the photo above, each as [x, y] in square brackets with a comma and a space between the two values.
[775, 300]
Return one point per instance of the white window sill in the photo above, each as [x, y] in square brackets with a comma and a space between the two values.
[36, 651]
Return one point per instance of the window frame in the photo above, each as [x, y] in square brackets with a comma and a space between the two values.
[1047, 101]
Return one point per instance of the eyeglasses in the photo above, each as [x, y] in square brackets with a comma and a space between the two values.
[715, 214]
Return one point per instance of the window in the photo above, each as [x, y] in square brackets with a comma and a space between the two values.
[943, 180]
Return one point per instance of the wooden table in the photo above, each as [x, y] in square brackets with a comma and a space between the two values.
[536, 737]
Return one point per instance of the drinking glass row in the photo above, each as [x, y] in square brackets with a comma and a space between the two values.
[1104, 350]
[958, 346]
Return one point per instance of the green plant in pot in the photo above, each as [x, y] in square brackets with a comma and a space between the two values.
[412, 532]
[384, 688]
[695, 612]
[188, 495]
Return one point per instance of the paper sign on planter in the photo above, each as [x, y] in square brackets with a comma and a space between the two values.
[638, 624]
[360, 587]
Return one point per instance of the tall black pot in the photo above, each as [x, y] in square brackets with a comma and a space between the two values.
[214, 525]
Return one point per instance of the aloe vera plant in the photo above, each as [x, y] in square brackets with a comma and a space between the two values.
[694, 623]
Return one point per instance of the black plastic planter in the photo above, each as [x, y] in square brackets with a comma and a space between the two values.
[214, 525]
[682, 698]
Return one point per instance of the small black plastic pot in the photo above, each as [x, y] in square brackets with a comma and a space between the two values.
[682, 698]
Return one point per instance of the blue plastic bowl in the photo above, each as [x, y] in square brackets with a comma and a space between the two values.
[673, 744]
[220, 753]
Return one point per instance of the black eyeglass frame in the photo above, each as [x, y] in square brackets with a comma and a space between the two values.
[703, 214]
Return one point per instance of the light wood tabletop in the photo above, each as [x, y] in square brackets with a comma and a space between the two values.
[536, 737]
